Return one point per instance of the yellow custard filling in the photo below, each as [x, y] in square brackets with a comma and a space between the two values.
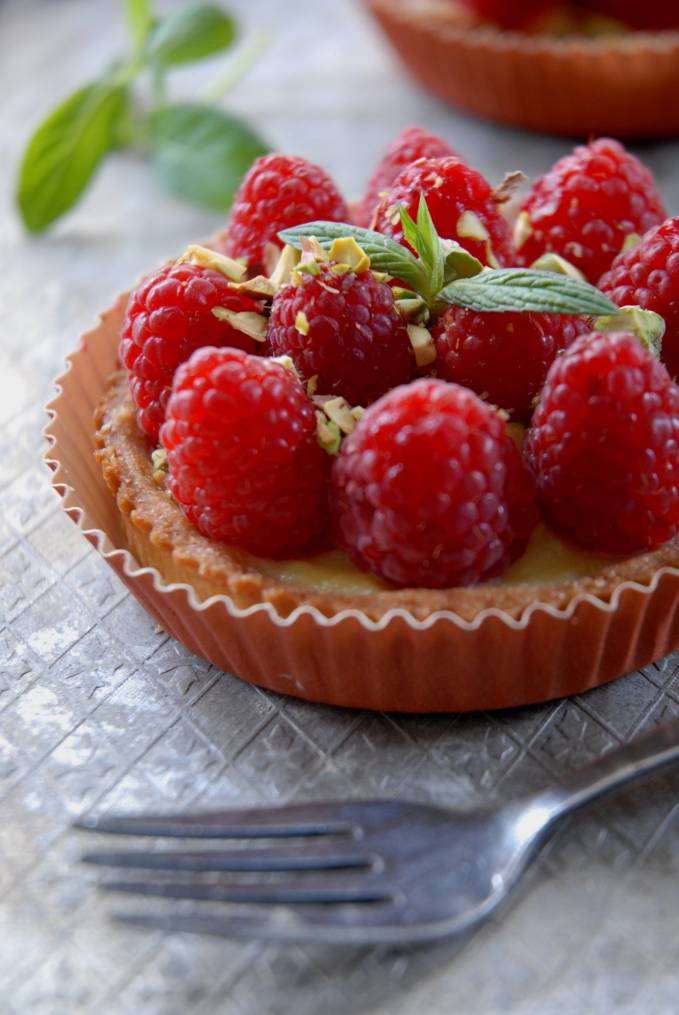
[547, 559]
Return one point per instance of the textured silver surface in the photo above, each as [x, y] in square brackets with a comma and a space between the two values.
[100, 711]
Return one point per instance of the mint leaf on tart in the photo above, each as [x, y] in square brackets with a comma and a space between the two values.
[385, 254]
[524, 289]
[442, 272]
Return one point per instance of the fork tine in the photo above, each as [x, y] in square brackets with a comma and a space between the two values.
[303, 858]
[311, 890]
[262, 822]
[283, 926]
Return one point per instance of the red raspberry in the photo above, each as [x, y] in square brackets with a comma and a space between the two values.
[509, 13]
[244, 462]
[660, 14]
[410, 145]
[450, 189]
[430, 491]
[345, 329]
[169, 316]
[502, 357]
[604, 446]
[587, 205]
[279, 191]
[648, 276]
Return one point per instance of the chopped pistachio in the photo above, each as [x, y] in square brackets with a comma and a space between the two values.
[347, 251]
[287, 362]
[206, 258]
[556, 263]
[247, 321]
[159, 466]
[632, 240]
[260, 287]
[470, 226]
[312, 250]
[523, 229]
[422, 341]
[311, 385]
[411, 307]
[340, 269]
[340, 412]
[393, 214]
[327, 433]
[517, 433]
[506, 190]
[307, 267]
[329, 288]
[648, 326]
[357, 412]
[287, 259]
[302, 323]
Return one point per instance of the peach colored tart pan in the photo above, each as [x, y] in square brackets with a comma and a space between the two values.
[620, 85]
[414, 651]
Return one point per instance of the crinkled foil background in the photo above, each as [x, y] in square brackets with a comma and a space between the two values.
[99, 710]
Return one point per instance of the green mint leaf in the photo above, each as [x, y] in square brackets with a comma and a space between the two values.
[458, 262]
[190, 33]
[408, 226]
[385, 254]
[202, 153]
[429, 247]
[522, 289]
[66, 149]
[139, 14]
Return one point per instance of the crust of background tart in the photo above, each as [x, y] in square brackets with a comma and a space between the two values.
[160, 536]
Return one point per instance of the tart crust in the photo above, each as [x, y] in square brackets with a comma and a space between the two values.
[160, 536]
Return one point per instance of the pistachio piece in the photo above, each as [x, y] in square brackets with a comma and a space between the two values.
[648, 326]
[506, 190]
[347, 251]
[422, 341]
[523, 229]
[302, 323]
[469, 226]
[206, 258]
[247, 321]
[287, 362]
[340, 412]
[327, 433]
[559, 265]
[288, 257]
[632, 240]
[159, 466]
[260, 287]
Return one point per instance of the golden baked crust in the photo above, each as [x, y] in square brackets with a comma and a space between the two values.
[160, 536]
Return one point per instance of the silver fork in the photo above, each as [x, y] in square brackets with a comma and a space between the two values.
[380, 871]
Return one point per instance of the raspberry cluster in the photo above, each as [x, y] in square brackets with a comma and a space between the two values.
[320, 381]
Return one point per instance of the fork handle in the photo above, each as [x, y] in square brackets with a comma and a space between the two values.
[645, 754]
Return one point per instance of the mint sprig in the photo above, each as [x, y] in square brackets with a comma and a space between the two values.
[517, 289]
[196, 149]
[443, 273]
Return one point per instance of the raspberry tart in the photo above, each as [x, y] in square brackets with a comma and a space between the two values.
[577, 69]
[327, 478]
